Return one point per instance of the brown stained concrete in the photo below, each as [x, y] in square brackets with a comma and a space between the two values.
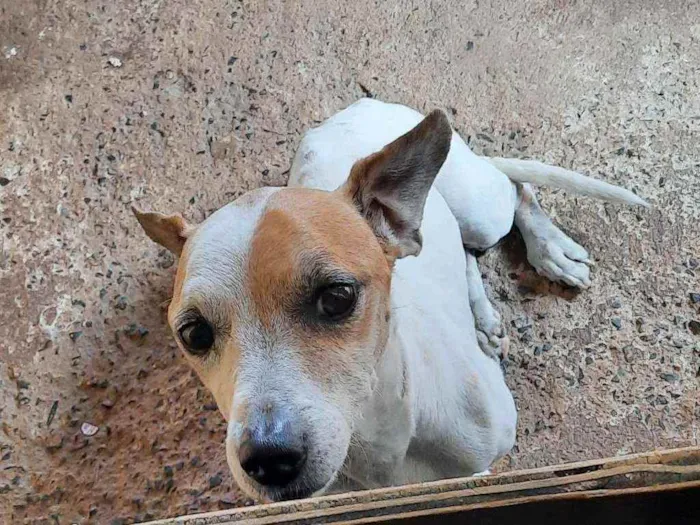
[183, 105]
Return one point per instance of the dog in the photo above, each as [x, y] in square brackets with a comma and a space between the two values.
[339, 322]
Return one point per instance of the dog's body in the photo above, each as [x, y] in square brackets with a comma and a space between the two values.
[402, 386]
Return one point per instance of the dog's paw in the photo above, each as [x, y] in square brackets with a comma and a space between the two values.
[490, 333]
[557, 257]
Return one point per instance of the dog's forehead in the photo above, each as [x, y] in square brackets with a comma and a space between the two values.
[314, 223]
[216, 253]
[251, 254]
[307, 235]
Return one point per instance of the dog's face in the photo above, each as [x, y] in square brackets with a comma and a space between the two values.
[281, 304]
[283, 319]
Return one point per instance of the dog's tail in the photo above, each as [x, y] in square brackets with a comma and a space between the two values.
[555, 177]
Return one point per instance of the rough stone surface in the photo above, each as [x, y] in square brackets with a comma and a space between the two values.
[182, 106]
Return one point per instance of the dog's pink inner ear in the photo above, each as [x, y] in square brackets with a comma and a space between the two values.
[390, 187]
[170, 231]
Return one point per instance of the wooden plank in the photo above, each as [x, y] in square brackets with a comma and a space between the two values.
[515, 506]
[672, 507]
[639, 476]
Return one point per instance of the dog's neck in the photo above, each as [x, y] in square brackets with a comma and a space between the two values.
[381, 437]
[392, 379]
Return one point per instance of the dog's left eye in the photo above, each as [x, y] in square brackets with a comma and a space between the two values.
[336, 302]
[198, 337]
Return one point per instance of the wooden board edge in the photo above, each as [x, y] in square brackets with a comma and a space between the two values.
[661, 467]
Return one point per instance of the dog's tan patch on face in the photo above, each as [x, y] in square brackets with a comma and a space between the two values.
[302, 234]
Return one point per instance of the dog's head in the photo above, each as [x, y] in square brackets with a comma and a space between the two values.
[281, 305]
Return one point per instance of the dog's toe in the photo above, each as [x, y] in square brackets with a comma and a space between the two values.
[564, 270]
[490, 333]
[559, 258]
[573, 250]
[494, 346]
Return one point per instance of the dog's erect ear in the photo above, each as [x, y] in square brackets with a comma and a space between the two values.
[391, 186]
[170, 231]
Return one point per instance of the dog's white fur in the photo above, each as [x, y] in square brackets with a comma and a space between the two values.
[435, 404]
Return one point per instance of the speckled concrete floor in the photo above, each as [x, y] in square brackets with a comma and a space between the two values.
[183, 105]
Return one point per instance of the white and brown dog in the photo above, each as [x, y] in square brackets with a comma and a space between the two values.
[340, 324]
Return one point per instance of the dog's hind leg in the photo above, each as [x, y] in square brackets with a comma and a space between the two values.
[480, 196]
[549, 250]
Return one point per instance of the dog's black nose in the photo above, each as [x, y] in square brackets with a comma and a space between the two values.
[272, 450]
[271, 464]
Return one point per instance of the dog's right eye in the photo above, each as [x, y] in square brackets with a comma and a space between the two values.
[336, 302]
[198, 337]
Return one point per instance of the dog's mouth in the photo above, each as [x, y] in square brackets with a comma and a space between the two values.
[310, 481]
[298, 489]
[293, 492]
[287, 454]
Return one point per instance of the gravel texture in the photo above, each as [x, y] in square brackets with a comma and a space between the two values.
[184, 105]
